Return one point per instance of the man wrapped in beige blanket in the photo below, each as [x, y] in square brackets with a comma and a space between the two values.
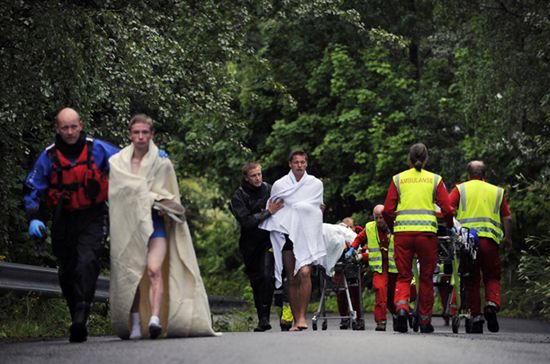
[138, 180]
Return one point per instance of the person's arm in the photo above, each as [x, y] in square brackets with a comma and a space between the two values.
[390, 205]
[506, 217]
[442, 200]
[359, 240]
[247, 218]
[102, 152]
[454, 198]
[35, 185]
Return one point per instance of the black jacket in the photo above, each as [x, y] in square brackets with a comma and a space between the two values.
[248, 207]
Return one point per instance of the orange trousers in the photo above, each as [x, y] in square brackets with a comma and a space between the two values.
[383, 285]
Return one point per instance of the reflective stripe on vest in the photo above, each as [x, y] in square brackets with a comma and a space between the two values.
[375, 254]
[416, 201]
[479, 208]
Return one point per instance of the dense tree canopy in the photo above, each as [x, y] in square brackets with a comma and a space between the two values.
[354, 83]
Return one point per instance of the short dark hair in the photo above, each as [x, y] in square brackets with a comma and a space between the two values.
[297, 152]
[248, 166]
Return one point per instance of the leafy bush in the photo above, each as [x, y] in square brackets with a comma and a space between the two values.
[32, 316]
[215, 237]
[534, 273]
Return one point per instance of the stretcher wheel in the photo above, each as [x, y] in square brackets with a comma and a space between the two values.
[324, 325]
[314, 326]
[455, 324]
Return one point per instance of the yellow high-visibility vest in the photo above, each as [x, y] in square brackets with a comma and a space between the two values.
[416, 205]
[479, 208]
[375, 254]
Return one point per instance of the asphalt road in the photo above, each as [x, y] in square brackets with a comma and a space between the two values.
[519, 341]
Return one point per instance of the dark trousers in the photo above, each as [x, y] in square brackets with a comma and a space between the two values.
[77, 241]
[259, 267]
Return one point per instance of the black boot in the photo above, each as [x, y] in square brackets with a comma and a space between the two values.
[359, 324]
[475, 325]
[426, 328]
[402, 321]
[79, 333]
[263, 319]
[490, 313]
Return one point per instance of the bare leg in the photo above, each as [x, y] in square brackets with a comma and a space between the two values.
[288, 262]
[304, 294]
[299, 289]
[155, 257]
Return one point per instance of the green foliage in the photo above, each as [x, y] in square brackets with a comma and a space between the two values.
[109, 60]
[216, 238]
[531, 296]
[534, 273]
[236, 321]
[34, 316]
[360, 100]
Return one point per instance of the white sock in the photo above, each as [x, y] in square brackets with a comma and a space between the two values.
[154, 320]
[136, 326]
[135, 319]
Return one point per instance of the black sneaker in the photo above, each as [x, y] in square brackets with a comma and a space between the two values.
[402, 322]
[490, 313]
[477, 327]
[154, 331]
[285, 325]
[344, 324]
[359, 324]
[380, 326]
[426, 328]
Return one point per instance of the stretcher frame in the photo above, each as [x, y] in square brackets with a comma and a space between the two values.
[351, 271]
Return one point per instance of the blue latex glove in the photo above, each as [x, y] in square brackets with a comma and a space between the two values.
[453, 232]
[350, 252]
[163, 154]
[37, 229]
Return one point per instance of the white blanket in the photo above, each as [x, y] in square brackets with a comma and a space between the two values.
[301, 218]
[185, 310]
[335, 237]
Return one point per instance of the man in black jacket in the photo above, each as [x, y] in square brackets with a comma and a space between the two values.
[249, 207]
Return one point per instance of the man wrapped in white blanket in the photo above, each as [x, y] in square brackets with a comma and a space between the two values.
[297, 233]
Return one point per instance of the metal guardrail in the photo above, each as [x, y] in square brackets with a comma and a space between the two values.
[24, 278]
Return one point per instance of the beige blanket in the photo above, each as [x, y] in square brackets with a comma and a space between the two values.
[185, 310]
